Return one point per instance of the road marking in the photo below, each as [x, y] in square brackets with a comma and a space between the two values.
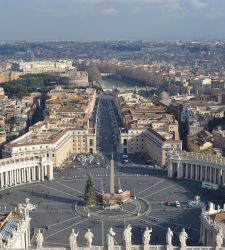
[170, 222]
[160, 190]
[157, 183]
[66, 228]
[69, 187]
[54, 224]
[57, 190]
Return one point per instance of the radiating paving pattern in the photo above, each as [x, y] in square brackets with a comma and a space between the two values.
[56, 201]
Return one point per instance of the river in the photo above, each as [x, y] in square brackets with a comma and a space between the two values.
[109, 83]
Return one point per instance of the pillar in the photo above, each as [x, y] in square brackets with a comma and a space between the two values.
[33, 174]
[42, 173]
[2, 180]
[210, 174]
[197, 170]
[20, 175]
[6, 178]
[223, 177]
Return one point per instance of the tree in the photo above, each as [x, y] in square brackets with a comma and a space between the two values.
[94, 74]
[89, 193]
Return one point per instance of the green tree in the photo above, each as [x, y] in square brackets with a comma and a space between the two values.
[89, 193]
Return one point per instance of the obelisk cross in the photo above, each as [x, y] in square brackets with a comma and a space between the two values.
[112, 176]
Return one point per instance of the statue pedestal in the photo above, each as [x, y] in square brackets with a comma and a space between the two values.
[169, 247]
[146, 247]
[128, 247]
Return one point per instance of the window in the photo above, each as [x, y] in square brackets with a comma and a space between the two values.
[91, 142]
[124, 142]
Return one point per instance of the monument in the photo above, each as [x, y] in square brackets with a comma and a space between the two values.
[114, 199]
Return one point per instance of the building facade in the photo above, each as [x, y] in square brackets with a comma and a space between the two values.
[197, 166]
[21, 170]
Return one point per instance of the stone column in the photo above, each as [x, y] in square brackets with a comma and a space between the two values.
[42, 173]
[50, 172]
[201, 172]
[6, 178]
[29, 174]
[20, 175]
[186, 171]
[38, 173]
[210, 174]
[15, 179]
[223, 177]
[197, 170]
[2, 180]
[34, 177]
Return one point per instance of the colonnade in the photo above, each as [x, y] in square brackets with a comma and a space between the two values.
[15, 171]
[196, 169]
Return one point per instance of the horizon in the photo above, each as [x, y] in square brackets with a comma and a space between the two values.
[100, 20]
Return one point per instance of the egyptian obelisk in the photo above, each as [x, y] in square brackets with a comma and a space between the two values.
[112, 175]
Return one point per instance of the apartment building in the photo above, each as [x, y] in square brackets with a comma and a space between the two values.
[64, 131]
[146, 127]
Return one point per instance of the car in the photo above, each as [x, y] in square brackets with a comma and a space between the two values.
[177, 203]
[125, 160]
[124, 156]
[97, 163]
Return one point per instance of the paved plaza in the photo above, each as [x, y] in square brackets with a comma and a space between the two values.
[56, 201]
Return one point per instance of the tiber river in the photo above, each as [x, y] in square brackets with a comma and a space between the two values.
[109, 83]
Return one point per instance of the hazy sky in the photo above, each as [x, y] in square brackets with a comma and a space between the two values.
[111, 19]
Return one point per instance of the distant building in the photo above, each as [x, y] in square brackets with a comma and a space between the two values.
[37, 67]
[74, 79]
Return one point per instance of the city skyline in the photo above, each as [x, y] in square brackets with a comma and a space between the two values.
[80, 20]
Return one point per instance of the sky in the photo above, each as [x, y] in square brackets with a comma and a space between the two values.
[81, 20]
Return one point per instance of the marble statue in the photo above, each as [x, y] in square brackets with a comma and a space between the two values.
[89, 237]
[73, 240]
[169, 237]
[146, 236]
[1, 241]
[183, 238]
[127, 234]
[39, 239]
[219, 238]
[110, 237]
[19, 209]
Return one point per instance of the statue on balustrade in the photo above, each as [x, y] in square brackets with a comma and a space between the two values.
[183, 238]
[219, 238]
[127, 234]
[110, 237]
[146, 236]
[169, 237]
[1, 241]
[73, 240]
[89, 237]
[39, 240]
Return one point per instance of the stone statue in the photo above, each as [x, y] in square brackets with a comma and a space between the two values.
[219, 238]
[146, 236]
[127, 234]
[89, 236]
[110, 237]
[1, 241]
[169, 237]
[19, 209]
[39, 240]
[73, 240]
[183, 238]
